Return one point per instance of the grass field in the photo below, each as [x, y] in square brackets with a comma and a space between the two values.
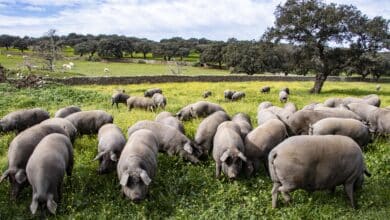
[182, 190]
[88, 68]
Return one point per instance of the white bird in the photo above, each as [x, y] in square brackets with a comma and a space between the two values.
[9, 55]
[106, 70]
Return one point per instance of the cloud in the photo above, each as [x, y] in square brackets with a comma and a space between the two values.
[34, 8]
[371, 8]
[156, 19]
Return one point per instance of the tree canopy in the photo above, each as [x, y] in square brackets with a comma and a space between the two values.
[322, 29]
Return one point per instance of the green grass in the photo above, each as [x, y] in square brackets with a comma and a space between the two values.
[87, 68]
[180, 189]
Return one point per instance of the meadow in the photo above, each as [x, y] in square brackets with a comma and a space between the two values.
[182, 190]
[88, 68]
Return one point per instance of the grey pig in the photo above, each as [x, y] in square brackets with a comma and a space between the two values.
[316, 163]
[238, 95]
[352, 128]
[119, 97]
[265, 115]
[54, 156]
[340, 110]
[286, 89]
[206, 94]
[151, 92]
[300, 121]
[362, 109]
[111, 143]
[369, 99]
[170, 140]
[198, 109]
[228, 94]
[312, 106]
[284, 113]
[260, 141]
[379, 121]
[244, 122]
[66, 111]
[159, 100]
[65, 124]
[264, 105]
[137, 164]
[283, 96]
[89, 122]
[22, 119]
[265, 89]
[20, 150]
[207, 128]
[228, 150]
[168, 119]
[141, 102]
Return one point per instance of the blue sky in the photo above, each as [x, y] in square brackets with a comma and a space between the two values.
[153, 19]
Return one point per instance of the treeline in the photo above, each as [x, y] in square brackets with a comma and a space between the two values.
[113, 46]
[250, 57]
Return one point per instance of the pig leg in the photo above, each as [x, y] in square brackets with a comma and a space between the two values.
[69, 169]
[265, 162]
[217, 169]
[285, 193]
[348, 187]
[274, 193]
[58, 195]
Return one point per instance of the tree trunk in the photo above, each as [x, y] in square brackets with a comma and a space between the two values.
[220, 64]
[319, 82]
[144, 55]
[51, 65]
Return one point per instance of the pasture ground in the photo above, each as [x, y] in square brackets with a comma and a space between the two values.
[89, 68]
[180, 189]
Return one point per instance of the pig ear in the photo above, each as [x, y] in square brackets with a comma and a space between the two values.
[51, 205]
[100, 155]
[4, 176]
[242, 156]
[145, 178]
[113, 156]
[20, 176]
[224, 156]
[124, 179]
[188, 148]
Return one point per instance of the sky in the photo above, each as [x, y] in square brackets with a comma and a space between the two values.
[153, 19]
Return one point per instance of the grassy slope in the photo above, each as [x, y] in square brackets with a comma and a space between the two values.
[183, 190]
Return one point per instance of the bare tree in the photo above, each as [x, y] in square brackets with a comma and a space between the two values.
[176, 67]
[49, 48]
